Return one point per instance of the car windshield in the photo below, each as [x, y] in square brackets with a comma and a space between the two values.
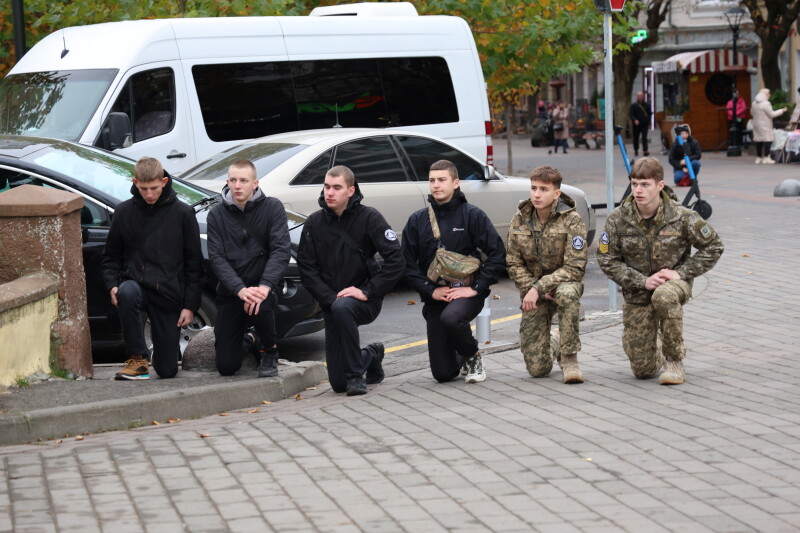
[265, 156]
[102, 171]
[56, 104]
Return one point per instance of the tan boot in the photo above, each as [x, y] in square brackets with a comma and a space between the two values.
[569, 366]
[673, 373]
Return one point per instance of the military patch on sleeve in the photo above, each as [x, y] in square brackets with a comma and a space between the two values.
[705, 231]
[578, 242]
[604, 240]
[390, 235]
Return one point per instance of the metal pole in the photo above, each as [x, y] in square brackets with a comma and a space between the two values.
[608, 80]
[18, 21]
[733, 146]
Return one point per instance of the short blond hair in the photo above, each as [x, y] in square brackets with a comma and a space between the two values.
[647, 168]
[148, 169]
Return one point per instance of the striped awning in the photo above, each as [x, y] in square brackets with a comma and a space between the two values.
[706, 61]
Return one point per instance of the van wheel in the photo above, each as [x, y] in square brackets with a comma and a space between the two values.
[204, 318]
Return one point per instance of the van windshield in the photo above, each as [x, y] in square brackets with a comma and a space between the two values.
[55, 104]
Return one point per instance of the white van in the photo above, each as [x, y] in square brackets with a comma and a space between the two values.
[181, 90]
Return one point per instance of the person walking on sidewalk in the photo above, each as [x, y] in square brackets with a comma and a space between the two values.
[646, 249]
[546, 258]
[450, 306]
[337, 266]
[152, 263]
[249, 250]
[640, 114]
[560, 127]
[763, 132]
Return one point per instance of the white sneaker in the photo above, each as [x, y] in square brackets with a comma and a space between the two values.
[768, 161]
[759, 160]
[475, 371]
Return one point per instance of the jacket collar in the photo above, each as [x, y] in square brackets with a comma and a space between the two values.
[168, 194]
[457, 199]
[352, 204]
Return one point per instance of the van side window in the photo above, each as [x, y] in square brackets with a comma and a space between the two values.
[149, 100]
[423, 152]
[245, 100]
[314, 173]
[372, 160]
[418, 90]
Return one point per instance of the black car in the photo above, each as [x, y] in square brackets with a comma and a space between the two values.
[103, 179]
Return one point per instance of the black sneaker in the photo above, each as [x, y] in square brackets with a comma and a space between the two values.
[356, 386]
[268, 364]
[375, 372]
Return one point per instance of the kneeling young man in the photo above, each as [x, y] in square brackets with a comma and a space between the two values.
[646, 249]
[547, 260]
[449, 308]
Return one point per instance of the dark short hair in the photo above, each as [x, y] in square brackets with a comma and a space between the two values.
[341, 171]
[148, 169]
[449, 166]
[548, 175]
[647, 168]
[245, 163]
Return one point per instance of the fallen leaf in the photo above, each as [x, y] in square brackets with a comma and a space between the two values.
[749, 272]
[59, 441]
[325, 381]
[224, 414]
[204, 435]
[496, 297]
[155, 423]
[298, 397]
[311, 388]
[411, 302]
[174, 420]
[266, 402]
[79, 437]
[488, 342]
[587, 459]
[253, 411]
[745, 255]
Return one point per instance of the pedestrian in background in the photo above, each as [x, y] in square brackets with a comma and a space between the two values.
[763, 132]
[678, 153]
[451, 306]
[546, 258]
[560, 127]
[337, 267]
[646, 249]
[153, 264]
[249, 249]
[640, 113]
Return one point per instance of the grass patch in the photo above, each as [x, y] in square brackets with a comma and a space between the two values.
[22, 381]
[60, 372]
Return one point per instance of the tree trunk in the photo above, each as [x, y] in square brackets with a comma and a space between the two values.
[509, 127]
[770, 71]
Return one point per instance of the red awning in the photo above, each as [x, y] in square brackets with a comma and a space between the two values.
[712, 61]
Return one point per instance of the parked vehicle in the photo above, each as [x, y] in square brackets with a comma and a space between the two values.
[182, 89]
[103, 179]
[391, 168]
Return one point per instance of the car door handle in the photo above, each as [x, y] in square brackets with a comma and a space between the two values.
[175, 155]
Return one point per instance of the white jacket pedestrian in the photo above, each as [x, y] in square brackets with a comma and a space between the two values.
[763, 114]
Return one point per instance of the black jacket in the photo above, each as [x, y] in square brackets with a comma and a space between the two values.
[157, 246]
[240, 258]
[677, 152]
[641, 111]
[464, 229]
[328, 264]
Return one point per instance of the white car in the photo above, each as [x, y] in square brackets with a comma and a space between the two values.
[391, 168]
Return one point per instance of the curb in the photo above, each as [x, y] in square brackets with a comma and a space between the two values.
[186, 404]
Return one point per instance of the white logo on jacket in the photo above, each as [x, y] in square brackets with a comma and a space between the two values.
[390, 235]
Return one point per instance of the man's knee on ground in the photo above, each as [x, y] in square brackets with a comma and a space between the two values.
[226, 367]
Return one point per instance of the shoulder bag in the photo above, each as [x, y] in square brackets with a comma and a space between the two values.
[456, 269]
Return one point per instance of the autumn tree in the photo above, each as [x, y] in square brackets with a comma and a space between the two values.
[772, 21]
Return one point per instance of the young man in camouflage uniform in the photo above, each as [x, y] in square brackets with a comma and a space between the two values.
[546, 258]
[646, 249]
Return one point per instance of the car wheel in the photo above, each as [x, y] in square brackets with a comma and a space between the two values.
[204, 318]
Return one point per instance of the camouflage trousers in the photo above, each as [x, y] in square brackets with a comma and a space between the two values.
[655, 331]
[534, 328]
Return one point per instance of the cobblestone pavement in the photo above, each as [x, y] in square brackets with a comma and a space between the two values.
[719, 453]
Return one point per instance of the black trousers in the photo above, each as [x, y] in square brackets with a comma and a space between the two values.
[232, 322]
[450, 338]
[343, 353]
[641, 129]
[133, 303]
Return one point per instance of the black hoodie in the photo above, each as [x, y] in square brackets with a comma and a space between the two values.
[328, 264]
[157, 246]
[464, 229]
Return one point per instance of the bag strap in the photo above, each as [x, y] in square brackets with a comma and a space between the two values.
[435, 226]
[348, 239]
[238, 217]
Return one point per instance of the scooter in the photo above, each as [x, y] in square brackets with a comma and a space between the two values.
[702, 207]
[624, 152]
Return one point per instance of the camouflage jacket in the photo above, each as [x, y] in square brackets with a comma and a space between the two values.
[628, 253]
[551, 254]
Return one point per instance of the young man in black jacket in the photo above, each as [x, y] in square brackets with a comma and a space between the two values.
[249, 250]
[152, 262]
[336, 265]
[449, 308]
[689, 147]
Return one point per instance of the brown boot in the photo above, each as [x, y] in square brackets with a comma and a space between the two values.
[569, 366]
[673, 373]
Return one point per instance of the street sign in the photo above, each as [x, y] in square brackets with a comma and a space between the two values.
[617, 5]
